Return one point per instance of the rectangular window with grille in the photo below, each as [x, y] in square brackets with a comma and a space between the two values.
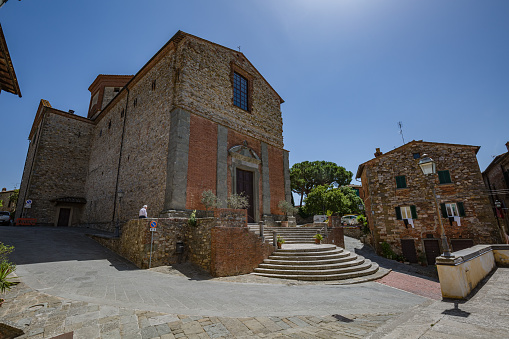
[240, 91]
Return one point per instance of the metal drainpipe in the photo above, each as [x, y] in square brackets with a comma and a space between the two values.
[120, 155]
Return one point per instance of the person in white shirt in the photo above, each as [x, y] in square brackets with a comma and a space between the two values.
[143, 212]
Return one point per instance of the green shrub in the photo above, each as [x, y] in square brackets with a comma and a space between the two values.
[387, 252]
[192, 219]
[6, 283]
[209, 199]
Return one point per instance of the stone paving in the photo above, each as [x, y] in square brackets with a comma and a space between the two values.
[40, 315]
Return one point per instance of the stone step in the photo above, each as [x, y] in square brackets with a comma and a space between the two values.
[360, 271]
[318, 267]
[309, 260]
[310, 255]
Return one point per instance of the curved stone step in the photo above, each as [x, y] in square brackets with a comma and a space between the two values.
[315, 271]
[310, 261]
[311, 267]
[373, 268]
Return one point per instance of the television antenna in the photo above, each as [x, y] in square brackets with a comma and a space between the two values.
[400, 125]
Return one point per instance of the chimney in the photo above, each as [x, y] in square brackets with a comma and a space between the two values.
[378, 153]
[4, 189]
[507, 145]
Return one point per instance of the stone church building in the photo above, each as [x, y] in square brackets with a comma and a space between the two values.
[197, 116]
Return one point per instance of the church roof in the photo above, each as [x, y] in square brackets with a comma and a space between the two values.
[8, 80]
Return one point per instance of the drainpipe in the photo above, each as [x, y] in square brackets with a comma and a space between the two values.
[117, 228]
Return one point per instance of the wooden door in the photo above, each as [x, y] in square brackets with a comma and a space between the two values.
[408, 249]
[63, 217]
[432, 249]
[245, 185]
[461, 244]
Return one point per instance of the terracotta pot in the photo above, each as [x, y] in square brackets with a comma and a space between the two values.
[317, 241]
[279, 245]
[284, 223]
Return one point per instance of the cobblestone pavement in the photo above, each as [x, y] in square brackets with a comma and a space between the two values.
[40, 315]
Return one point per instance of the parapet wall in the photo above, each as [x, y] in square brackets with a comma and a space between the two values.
[460, 274]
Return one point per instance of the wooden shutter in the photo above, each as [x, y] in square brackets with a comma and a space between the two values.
[444, 210]
[400, 181]
[398, 213]
[461, 209]
[444, 177]
[414, 211]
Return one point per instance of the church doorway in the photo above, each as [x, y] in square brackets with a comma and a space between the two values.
[245, 185]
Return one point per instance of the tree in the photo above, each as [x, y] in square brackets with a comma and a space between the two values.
[13, 199]
[336, 200]
[307, 175]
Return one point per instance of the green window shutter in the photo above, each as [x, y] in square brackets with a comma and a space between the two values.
[444, 210]
[461, 209]
[444, 177]
[398, 213]
[414, 211]
[400, 181]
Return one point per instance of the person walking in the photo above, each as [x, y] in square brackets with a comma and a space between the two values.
[143, 212]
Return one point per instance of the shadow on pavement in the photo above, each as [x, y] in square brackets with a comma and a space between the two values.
[52, 244]
[425, 272]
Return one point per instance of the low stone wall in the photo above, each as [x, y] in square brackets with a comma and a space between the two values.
[227, 217]
[336, 237]
[221, 250]
[352, 231]
[461, 273]
[134, 243]
[236, 251]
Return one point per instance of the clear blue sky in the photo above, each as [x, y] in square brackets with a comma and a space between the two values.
[349, 70]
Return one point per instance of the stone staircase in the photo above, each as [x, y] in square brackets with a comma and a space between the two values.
[291, 235]
[315, 262]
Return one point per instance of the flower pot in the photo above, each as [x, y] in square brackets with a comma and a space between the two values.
[284, 223]
[279, 245]
[317, 241]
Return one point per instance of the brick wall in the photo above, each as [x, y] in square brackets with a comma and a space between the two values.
[201, 173]
[236, 251]
[276, 179]
[336, 237]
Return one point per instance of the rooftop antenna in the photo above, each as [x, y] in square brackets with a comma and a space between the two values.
[400, 125]
[238, 48]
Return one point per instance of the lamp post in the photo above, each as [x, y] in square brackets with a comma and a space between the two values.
[428, 168]
[120, 194]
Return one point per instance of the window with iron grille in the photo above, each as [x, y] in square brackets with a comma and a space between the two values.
[240, 91]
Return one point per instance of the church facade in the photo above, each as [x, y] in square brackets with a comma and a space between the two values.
[198, 116]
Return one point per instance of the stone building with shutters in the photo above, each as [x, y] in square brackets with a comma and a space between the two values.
[496, 179]
[401, 209]
[197, 116]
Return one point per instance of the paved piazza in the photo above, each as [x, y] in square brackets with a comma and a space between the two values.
[71, 283]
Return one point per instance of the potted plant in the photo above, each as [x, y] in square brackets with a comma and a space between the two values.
[280, 241]
[318, 238]
[289, 210]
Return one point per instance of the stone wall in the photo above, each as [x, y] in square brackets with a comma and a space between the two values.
[228, 217]
[237, 251]
[208, 69]
[352, 231]
[56, 166]
[134, 243]
[220, 250]
[382, 196]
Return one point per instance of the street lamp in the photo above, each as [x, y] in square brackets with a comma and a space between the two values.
[428, 168]
[120, 194]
